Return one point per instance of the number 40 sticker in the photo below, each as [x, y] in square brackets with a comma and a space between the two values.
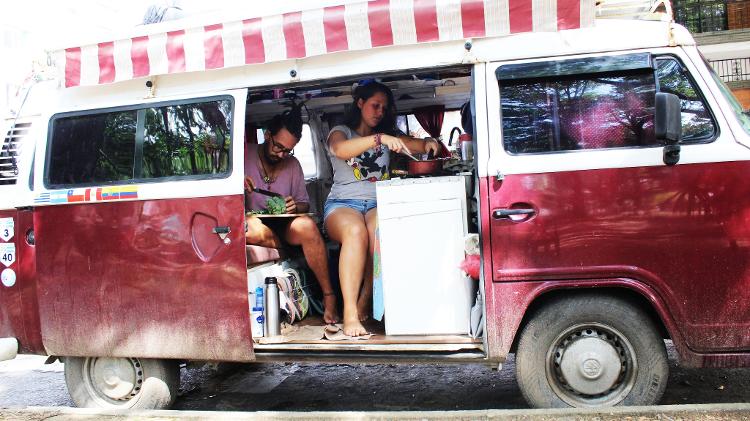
[7, 253]
[6, 229]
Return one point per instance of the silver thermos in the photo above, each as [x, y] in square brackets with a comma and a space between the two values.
[272, 322]
[466, 147]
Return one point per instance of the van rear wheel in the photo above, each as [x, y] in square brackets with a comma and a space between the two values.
[122, 382]
[591, 350]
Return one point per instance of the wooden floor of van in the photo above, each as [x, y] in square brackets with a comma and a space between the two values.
[379, 341]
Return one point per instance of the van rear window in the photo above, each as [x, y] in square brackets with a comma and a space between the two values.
[162, 142]
[94, 148]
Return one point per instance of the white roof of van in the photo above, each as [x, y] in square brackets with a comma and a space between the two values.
[359, 25]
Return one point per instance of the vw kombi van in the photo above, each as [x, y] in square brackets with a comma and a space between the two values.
[606, 193]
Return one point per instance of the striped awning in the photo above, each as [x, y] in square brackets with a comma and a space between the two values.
[354, 26]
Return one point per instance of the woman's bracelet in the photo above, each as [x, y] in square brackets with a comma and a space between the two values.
[378, 140]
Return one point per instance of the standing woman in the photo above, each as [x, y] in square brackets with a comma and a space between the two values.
[360, 155]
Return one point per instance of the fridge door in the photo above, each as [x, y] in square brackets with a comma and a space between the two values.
[421, 247]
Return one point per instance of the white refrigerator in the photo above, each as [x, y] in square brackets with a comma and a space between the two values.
[422, 223]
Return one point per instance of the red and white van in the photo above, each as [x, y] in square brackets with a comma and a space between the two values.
[607, 192]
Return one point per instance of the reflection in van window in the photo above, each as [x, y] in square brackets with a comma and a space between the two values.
[697, 123]
[580, 112]
[95, 148]
[151, 142]
[186, 139]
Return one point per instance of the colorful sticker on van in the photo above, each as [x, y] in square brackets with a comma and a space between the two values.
[98, 194]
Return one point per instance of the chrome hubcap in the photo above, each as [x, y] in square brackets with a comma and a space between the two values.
[115, 379]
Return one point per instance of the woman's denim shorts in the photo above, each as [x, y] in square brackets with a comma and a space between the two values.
[359, 205]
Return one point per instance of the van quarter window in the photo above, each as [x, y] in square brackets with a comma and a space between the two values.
[598, 110]
[183, 140]
[697, 124]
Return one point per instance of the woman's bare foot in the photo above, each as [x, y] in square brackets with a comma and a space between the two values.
[354, 328]
[330, 313]
[364, 307]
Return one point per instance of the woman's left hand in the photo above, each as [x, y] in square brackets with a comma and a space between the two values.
[431, 145]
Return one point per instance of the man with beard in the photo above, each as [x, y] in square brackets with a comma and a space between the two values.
[272, 166]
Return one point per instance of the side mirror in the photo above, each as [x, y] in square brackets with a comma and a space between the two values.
[668, 125]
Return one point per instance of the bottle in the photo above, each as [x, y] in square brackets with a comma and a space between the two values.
[272, 320]
[257, 318]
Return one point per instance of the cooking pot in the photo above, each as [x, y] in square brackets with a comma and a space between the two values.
[426, 166]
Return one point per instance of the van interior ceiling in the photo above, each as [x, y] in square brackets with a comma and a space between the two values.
[448, 87]
[326, 104]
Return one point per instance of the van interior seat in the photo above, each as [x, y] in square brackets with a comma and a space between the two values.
[259, 254]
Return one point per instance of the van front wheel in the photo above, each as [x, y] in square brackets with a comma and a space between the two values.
[591, 351]
[122, 382]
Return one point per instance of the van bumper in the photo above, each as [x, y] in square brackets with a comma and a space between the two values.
[8, 348]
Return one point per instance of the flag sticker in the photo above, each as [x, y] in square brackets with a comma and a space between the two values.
[88, 195]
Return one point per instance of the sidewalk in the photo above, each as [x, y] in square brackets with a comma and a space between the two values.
[709, 412]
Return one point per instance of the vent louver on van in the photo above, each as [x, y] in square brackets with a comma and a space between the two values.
[11, 150]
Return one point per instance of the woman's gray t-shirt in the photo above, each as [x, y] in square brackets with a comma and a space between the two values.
[355, 178]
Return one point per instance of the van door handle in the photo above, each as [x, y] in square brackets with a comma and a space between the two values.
[223, 232]
[507, 213]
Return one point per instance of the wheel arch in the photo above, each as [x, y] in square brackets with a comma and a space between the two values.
[655, 310]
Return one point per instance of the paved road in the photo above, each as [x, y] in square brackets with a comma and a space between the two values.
[315, 387]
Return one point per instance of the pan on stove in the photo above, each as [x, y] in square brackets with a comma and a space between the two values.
[429, 166]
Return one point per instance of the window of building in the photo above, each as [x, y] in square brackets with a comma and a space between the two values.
[184, 140]
[704, 15]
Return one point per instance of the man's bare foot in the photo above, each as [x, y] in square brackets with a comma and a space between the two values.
[330, 314]
[354, 328]
[364, 307]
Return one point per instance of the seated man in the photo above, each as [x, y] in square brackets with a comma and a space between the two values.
[272, 166]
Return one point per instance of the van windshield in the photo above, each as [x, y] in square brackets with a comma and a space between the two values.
[741, 114]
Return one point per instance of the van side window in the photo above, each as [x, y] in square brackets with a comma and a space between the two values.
[182, 140]
[590, 111]
[697, 124]
[186, 139]
[93, 148]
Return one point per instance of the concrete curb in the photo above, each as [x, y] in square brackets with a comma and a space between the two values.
[739, 411]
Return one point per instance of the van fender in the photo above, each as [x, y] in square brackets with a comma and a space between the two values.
[513, 302]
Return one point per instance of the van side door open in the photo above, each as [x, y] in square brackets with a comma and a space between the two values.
[140, 231]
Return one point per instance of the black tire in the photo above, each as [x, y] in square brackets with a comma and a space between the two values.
[123, 383]
[591, 350]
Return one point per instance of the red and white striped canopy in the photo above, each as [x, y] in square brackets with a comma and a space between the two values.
[354, 26]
